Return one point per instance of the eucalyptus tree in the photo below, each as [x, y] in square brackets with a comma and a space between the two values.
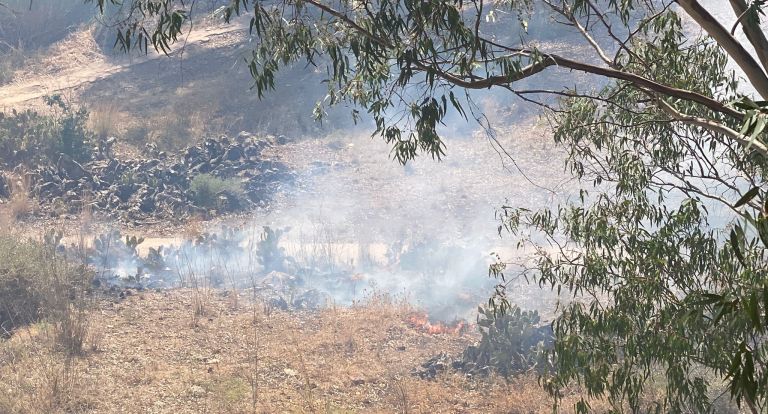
[664, 249]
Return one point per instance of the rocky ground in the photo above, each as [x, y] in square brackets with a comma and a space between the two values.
[156, 185]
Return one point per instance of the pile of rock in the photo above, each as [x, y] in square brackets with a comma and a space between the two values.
[158, 185]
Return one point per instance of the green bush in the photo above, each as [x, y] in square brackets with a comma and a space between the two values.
[206, 189]
[39, 283]
[29, 138]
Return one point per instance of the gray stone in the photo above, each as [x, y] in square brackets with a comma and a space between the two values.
[71, 168]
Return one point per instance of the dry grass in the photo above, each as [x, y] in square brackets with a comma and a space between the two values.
[19, 204]
[37, 283]
[36, 377]
[106, 120]
[150, 358]
[182, 124]
[77, 51]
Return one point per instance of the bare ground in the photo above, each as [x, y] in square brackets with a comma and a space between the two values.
[76, 62]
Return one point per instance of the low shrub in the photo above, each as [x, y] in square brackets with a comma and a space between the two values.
[5, 188]
[38, 283]
[29, 137]
[17, 192]
[104, 120]
[207, 188]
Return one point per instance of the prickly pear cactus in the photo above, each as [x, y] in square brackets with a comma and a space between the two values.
[510, 343]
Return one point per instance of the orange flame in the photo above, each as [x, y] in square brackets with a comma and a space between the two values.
[420, 321]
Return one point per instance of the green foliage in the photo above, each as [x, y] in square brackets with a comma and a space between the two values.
[509, 344]
[206, 189]
[109, 249]
[662, 288]
[74, 139]
[132, 243]
[29, 137]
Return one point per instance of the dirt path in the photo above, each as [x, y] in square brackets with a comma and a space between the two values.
[91, 66]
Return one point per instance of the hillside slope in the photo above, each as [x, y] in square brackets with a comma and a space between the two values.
[202, 87]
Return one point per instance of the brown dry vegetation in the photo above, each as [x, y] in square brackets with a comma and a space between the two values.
[19, 204]
[149, 353]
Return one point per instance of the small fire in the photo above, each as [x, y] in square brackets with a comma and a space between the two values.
[420, 321]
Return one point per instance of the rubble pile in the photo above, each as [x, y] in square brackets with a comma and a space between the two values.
[158, 185]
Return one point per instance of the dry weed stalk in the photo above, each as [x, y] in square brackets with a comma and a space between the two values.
[306, 393]
[70, 297]
[228, 267]
[401, 397]
[253, 358]
[20, 203]
[105, 120]
[200, 284]
[60, 383]
[57, 378]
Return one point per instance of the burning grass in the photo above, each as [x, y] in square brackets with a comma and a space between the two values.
[151, 357]
[420, 320]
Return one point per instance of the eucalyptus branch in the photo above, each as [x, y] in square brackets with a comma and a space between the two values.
[736, 50]
[548, 60]
[752, 30]
[714, 127]
[568, 14]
